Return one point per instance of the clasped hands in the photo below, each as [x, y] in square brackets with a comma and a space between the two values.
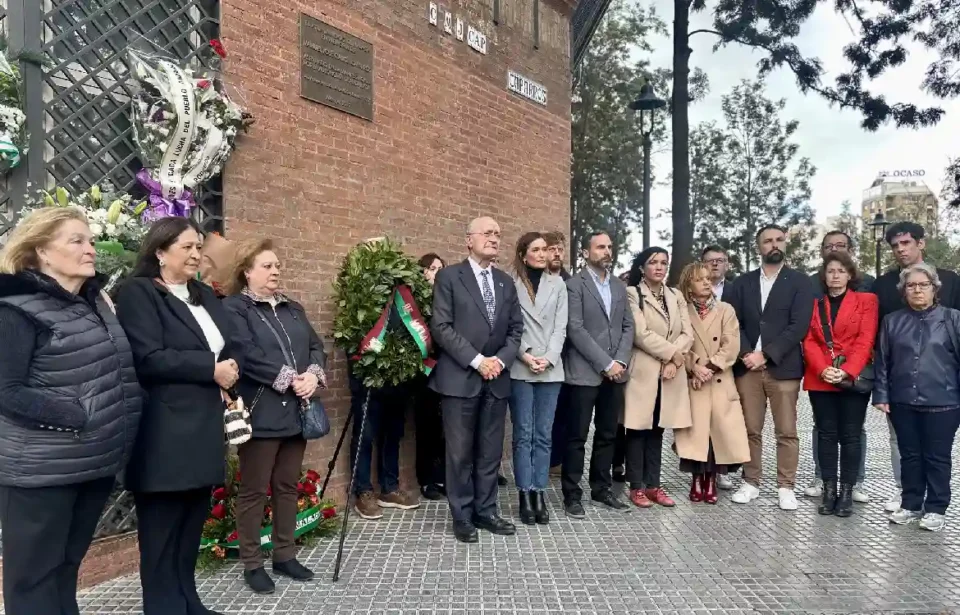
[833, 375]
[305, 385]
[490, 368]
[755, 361]
[537, 365]
[226, 373]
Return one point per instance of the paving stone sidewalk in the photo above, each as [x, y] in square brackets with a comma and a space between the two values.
[692, 559]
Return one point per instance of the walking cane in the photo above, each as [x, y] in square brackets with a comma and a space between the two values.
[353, 477]
[336, 453]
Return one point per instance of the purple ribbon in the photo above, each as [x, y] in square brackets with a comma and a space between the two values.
[159, 206]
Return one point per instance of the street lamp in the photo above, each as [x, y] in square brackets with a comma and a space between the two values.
[647, 104]
[879, 225]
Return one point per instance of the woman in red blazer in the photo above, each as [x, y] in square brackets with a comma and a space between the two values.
[838, 409]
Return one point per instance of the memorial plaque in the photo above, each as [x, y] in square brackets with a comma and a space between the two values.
[336, 68]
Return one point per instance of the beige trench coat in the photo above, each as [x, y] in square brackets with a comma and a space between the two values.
[715, 407]
[656, 341]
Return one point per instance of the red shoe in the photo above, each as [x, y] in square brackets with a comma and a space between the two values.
[659, 496]
[710, 488]
[696, 491]
[639, 498]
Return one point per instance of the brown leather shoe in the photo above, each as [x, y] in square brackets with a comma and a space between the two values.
[398, 499]
[367, 507]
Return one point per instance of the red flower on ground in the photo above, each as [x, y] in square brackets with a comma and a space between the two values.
[232, 536]
[329, 513]
[203, 84]
[269, 491]
[312, 475]
[219, 511]
[218, 48]
[300, 487]
[314, 500]
[220, 494]
[309, 488]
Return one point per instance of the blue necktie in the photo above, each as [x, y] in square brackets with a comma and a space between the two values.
[488, 298]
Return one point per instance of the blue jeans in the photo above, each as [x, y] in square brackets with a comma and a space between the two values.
[926, 443]
[532, 406]
[385, 418]
[863, 455]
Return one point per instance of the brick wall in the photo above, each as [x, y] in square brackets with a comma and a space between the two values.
[448, 142]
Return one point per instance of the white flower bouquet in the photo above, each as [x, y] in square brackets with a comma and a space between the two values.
[184, 125]
[13, 122]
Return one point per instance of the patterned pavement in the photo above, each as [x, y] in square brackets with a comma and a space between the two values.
[692, 559]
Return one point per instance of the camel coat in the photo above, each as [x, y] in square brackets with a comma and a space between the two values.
[716, 406]
[656, 341]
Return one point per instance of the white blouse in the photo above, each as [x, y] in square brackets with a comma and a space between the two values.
[210, 331]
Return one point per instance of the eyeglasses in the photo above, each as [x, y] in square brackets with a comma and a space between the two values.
[489, 234]
[832, 247]
[715, 261]
[915, 286]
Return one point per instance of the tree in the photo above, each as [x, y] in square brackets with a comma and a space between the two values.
[771, 26]
[757, 179]
[606, 142]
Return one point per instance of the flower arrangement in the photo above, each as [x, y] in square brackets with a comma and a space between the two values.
[376, 280]
[184, 124]
[116, 222]
[13, 121]
[316, 518]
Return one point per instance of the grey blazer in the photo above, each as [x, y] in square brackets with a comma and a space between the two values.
[596, 339]
[544, 328]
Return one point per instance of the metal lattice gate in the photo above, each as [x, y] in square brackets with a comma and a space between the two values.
[78, 108]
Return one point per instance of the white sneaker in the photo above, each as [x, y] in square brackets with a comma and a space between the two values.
[860, 496]
[932, 522]
[745, 494]
[724, 482]
[903, 517]
[788, 500]
[815, 490]
[893, 504]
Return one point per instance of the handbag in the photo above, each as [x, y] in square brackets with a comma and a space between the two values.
[314, 422]
[862, 383]
[237, 427]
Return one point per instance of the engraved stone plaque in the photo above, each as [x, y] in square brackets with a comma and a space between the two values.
[336, 68]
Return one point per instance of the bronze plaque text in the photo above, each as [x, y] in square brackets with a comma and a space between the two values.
[336, 68]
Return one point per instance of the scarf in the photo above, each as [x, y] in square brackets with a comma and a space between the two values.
[704, 307]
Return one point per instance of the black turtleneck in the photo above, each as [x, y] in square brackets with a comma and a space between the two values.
[534, 275]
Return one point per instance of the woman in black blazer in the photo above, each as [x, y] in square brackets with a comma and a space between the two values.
[182, 348]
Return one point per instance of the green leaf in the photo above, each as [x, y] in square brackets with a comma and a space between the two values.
[63, 197]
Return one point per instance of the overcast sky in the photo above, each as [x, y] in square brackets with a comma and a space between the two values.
[847, 157]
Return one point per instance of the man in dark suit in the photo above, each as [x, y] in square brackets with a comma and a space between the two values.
[477, 326]
[773, 304]
[600, 335]
[716, 260]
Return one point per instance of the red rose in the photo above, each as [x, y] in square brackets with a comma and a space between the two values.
[218, 48]
[300, 487]
[219, 511]
[220, 494]
[269, 491]
[312, 475]
[329, 512]
[309, 488]
[236, 477]
[203, 84]
[232, 536]
[314, 500]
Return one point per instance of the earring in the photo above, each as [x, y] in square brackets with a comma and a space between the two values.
[161, 262]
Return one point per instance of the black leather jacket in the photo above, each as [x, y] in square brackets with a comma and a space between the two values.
[918, 362]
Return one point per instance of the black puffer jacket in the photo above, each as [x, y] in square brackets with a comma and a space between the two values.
[918, 361]
[70, 403]
[267, 364]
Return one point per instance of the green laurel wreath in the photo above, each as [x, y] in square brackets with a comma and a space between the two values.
[367, 278]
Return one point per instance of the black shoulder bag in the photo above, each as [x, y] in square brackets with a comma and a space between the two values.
[864, 382]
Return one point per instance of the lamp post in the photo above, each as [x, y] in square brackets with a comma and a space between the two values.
[647, 104]
[879, 225]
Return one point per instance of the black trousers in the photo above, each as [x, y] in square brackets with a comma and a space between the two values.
[561, 427]
[474, 429]
[839, 417]
[46, 534]
[603, 403]
[431, 462]
[926, 445]
[169, 527]
[620, 447]
[644, 451]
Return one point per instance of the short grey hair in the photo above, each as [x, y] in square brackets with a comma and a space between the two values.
[928, 270]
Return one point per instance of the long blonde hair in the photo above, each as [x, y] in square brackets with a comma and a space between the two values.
[35, 230]
[246, 253]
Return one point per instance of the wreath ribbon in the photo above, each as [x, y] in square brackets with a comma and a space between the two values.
[402, 299]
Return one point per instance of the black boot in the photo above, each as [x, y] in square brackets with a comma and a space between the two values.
[540, 508]
[845, 500]
[527, 516]
[829, 501]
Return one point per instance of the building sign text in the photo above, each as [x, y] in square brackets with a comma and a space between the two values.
[336, 68]
[528, 89]
[455, 26]
[903, 173]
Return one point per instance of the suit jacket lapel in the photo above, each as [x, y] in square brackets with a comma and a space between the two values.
[700, 326]
[528, 306]
[591, 287]
[549, 286]
[498, 292]
[773, 288]
[652, 301]
[181, 311]
[847, 305]
[473, 287]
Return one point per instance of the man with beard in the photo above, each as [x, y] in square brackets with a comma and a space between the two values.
[558, 442]
[773, 304]
[600, 333]
[556, 252]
